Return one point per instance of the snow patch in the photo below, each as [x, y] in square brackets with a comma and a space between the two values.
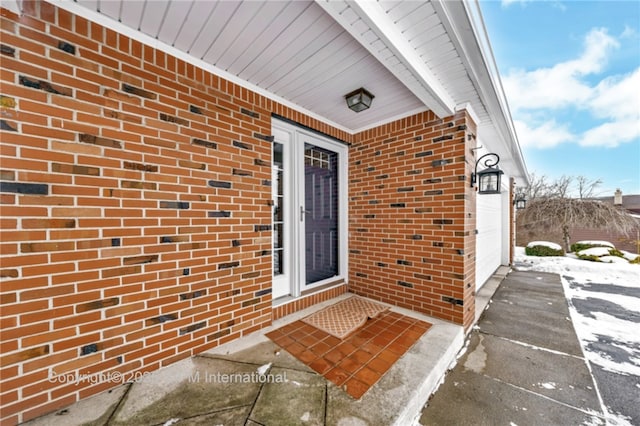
[547, 385]
[594, 420]
[545, 244]
[626, 275]
[171, 422]
[477, 360]
[596, 243]
[262, 370]
[595, 251]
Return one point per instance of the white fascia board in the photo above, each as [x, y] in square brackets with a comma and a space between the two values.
[477, 22]
[420, 81]
[107, 22]
[463, 21]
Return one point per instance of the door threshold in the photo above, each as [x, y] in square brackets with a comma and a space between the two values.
[282, 300]
[286, 305]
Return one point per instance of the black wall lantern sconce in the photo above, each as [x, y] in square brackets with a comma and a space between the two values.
[520, 202]
[488, 179]
[359, 100]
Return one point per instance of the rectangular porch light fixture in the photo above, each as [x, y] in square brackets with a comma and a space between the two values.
[359, 100]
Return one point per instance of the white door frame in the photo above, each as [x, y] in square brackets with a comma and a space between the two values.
[293, 139]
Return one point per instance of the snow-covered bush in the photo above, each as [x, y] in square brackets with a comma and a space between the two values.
[543, 248]
[583, 245]
[607, 254]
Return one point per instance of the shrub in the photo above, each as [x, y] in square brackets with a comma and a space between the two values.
[616, 252]
[583, 245]
[542, 251]
[635, 261]
[589, 257]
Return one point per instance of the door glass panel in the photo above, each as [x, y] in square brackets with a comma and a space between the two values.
[321, 213]
[278, 209]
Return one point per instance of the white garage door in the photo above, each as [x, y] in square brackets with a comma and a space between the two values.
[489, 223]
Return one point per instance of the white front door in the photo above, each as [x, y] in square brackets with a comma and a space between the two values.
[309, 175]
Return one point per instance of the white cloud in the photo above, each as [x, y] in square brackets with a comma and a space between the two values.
[544, 88]
[561, 85]
[507, 3]
[538, 96]
[611, 133]
[629, 32]
[543, 135]
[617, 97]
[555, 4]
[617, 100]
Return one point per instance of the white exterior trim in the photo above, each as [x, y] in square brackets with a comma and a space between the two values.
[295, 186]
[463, 21]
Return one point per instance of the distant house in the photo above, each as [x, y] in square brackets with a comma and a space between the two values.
[629, 242]
[177, 175]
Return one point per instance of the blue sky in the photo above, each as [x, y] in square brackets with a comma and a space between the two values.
[571, 73]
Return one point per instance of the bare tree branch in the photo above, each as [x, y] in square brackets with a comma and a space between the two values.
[586, 187]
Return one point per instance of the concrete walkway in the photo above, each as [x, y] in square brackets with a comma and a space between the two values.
[523, 364]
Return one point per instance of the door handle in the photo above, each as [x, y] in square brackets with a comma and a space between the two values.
[303, 212]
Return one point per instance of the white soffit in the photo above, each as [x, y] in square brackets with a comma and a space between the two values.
[374, 28]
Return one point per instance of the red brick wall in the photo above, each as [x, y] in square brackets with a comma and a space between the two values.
[135, 208]
[411, 223]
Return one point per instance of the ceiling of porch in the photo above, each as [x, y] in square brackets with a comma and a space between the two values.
[312, 53]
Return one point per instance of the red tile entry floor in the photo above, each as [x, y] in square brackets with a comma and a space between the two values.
[356, 362]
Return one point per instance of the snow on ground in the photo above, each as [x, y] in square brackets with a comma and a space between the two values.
[626, 275]
[604, 300]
